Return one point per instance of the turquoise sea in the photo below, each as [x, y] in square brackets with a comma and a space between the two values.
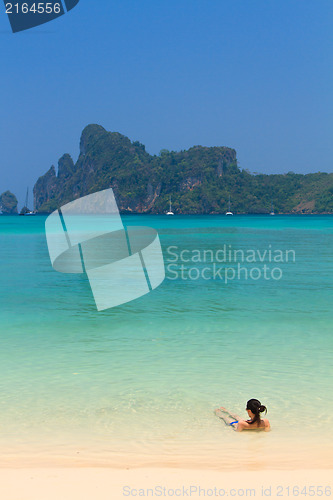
[138, 384]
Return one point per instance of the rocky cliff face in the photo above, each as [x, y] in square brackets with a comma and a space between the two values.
[141, 182]
[66, 168]
[45, 188]
[8, 203]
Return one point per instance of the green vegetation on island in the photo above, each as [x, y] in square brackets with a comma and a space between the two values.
[199, 180]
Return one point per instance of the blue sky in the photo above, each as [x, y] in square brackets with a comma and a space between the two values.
[250, 74]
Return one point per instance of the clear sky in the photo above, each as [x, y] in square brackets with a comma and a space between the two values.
[255, 75]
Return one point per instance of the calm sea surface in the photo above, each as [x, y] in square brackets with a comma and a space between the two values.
[139, 383]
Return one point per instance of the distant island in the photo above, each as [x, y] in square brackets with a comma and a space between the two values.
[200, 180]
[8, 203]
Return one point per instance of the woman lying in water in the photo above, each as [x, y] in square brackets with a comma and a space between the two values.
[253, 408]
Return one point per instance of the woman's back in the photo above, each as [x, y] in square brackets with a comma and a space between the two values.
[262, 425]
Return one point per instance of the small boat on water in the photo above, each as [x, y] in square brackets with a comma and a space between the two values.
[170, 208]
[229, 210]
[25, 210]
[272, 209]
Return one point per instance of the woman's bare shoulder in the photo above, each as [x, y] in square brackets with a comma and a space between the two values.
[267, 424]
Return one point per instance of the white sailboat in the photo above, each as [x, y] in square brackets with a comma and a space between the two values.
[272, 209]
[170, 208]
[229, 210]
[25, 210]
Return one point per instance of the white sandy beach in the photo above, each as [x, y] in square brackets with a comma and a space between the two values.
[113, 484]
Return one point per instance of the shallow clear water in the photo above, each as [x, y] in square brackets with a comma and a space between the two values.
[143, 379]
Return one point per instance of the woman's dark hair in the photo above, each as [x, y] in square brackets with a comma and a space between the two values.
[256, 407]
